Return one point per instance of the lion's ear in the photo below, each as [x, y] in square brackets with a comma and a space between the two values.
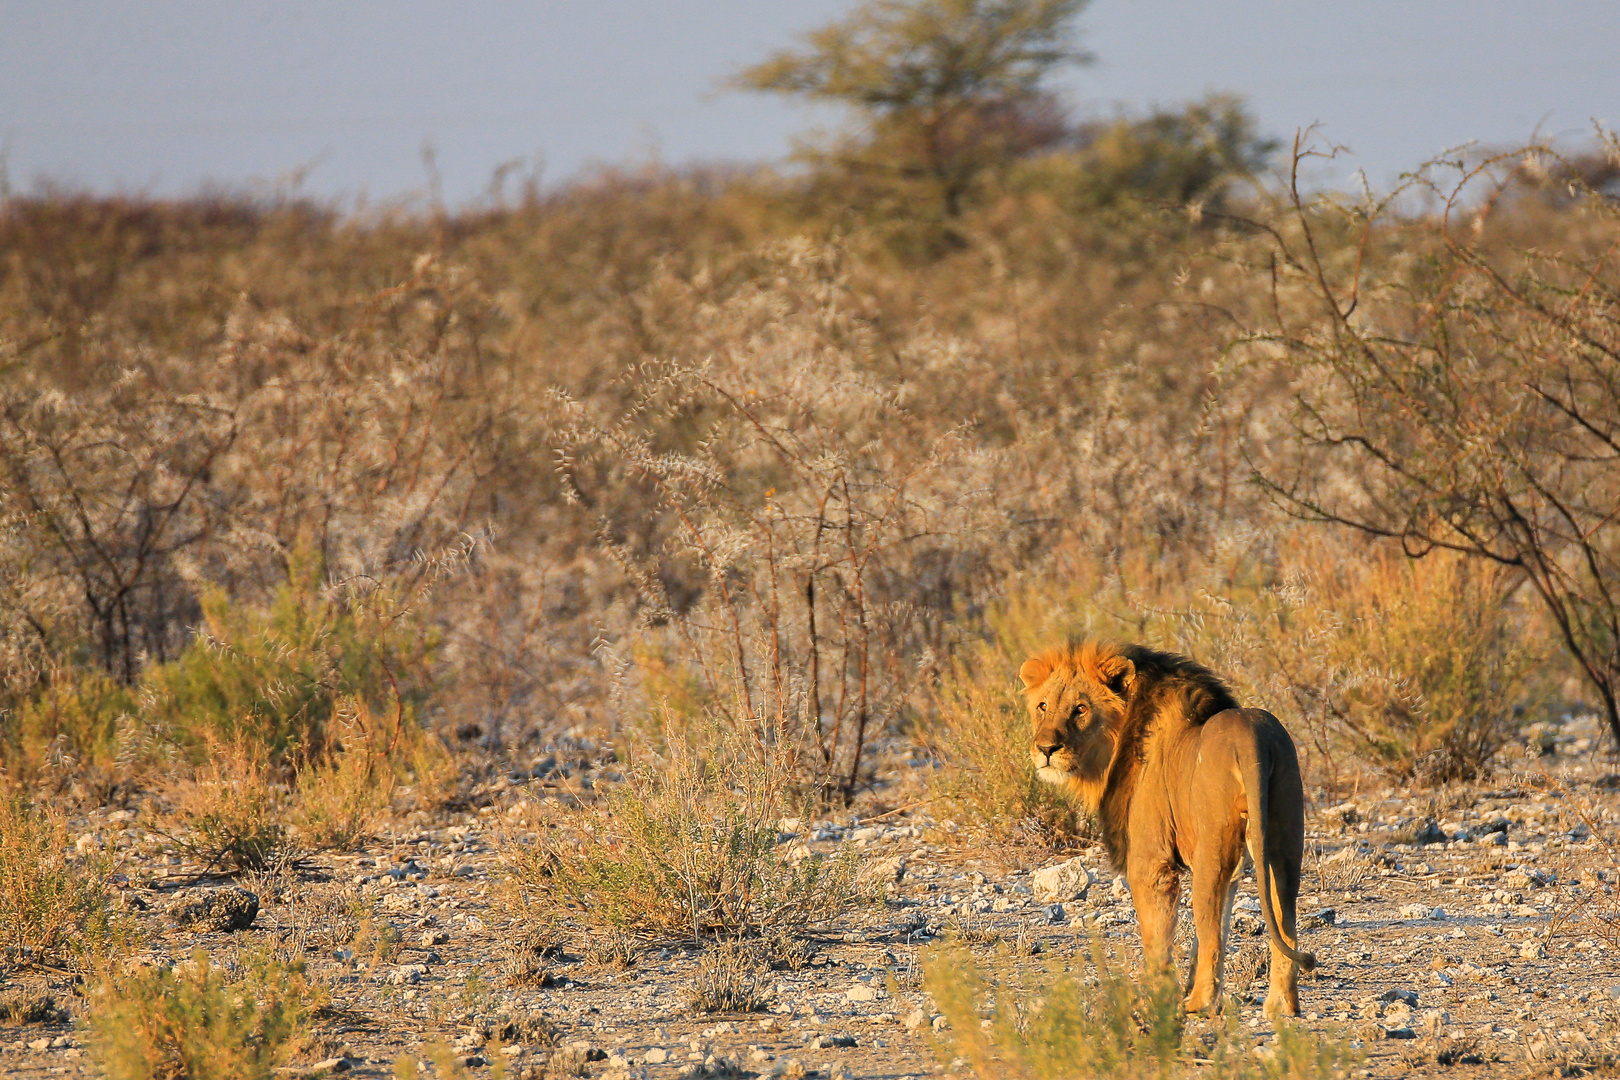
[1034, 672]
[1117, 673]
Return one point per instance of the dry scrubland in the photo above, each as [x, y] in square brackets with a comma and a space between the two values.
[587, 625]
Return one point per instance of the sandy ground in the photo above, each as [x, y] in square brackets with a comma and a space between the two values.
[1467, 932]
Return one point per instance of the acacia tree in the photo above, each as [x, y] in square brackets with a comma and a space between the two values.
[945, 89]
[1457, 388]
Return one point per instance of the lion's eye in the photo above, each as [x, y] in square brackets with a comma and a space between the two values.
[1081, 709]
[1041, 707]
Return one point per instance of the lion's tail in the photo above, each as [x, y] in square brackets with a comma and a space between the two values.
[1259, 793]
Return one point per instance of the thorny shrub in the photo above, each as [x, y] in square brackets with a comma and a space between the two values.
[229, 813]
[731, 978]
[815, 532]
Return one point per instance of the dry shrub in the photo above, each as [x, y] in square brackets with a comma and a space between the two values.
[53, 900]
[1104, 1023]
[1422, 668]
[980, 728]
[229, 813]
[340, 797]
[688, 845]
[202, 1020]
[1439, 667]
[814, 530]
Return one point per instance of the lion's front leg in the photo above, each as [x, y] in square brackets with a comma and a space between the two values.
[1155, 888]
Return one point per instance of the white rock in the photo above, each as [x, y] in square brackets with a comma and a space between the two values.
[1069, 880]
[657, 1056]
[862, 992]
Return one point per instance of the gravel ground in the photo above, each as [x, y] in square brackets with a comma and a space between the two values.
[1466, 932]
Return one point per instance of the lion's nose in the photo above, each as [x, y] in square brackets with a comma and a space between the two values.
[1048, 749]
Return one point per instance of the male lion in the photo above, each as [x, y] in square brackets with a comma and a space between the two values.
[1179, 777]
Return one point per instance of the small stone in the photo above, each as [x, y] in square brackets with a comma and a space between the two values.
[1429, 833]
[1399, 1033]
[40, 1044]
[1068, 880]
[1054, 914]
[1533, 950]
[939, 1023]
[331, 1065]
[1320, 919]
[407, 974]
[657, 1056]
[862, 992]
[215, 910]
[1408, 997]
[789, 1069]
[434, 937]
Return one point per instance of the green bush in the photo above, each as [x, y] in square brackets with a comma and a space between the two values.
[278, 678]
[320, 669]
[53, 901]
[201, 1020]
[1196, 155]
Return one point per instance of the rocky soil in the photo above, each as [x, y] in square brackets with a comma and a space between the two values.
[1466, 932]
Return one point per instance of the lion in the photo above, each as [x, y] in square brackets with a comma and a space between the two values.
[1179, 778]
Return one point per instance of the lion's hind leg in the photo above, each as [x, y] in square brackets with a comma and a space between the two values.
[1282, 994]
[1214, 888]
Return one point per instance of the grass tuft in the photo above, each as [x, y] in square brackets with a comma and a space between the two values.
[730, 979]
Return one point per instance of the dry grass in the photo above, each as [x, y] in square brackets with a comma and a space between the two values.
[686, 847]
[1102, 1022]
[732, 977]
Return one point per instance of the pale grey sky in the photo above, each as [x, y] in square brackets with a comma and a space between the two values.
[170, 97]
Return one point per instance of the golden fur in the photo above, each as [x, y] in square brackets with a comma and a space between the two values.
[1180, 778]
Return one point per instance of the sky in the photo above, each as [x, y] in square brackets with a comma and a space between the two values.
[336, 99]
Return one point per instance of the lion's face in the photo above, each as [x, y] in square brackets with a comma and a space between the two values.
[1074, 720]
